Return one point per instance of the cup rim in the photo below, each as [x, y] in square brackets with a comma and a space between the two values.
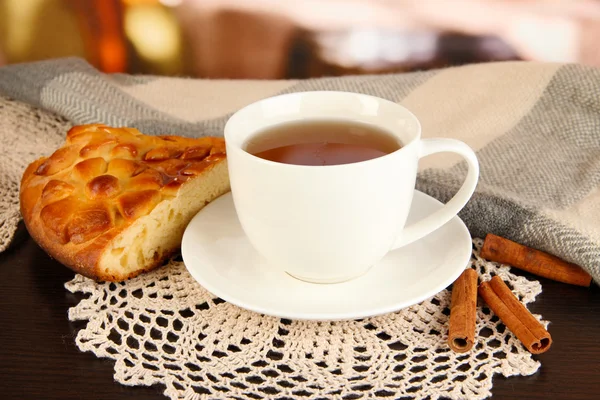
[239, 149]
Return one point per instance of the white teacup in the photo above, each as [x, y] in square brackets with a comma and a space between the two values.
[329, 224]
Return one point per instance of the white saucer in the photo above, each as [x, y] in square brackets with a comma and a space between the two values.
[218, 255]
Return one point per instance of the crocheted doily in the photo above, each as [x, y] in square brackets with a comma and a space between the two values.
[164, 328]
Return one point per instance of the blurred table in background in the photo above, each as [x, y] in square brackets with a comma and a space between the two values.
[276, 39]
[385, 51]
[273, 39]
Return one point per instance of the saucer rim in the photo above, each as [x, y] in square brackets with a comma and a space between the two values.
[337, 316]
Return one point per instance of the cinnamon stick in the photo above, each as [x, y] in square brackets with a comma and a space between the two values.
[496, 248]
[463, 311]
[515, 316]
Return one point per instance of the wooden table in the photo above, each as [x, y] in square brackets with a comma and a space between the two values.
[39, 360]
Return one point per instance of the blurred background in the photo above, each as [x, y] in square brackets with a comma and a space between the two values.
[278, 39]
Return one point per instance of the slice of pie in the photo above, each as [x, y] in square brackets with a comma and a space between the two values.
[112, 202]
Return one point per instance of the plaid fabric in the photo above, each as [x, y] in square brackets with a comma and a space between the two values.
[535, 128]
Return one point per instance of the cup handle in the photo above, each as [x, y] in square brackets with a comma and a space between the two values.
[432, 222]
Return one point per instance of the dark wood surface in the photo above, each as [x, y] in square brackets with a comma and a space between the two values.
[39, 360]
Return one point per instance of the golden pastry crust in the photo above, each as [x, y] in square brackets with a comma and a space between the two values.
[79, 203]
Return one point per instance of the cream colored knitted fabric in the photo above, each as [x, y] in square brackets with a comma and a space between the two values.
[533, 125]
[164, 328]
[26, 134]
